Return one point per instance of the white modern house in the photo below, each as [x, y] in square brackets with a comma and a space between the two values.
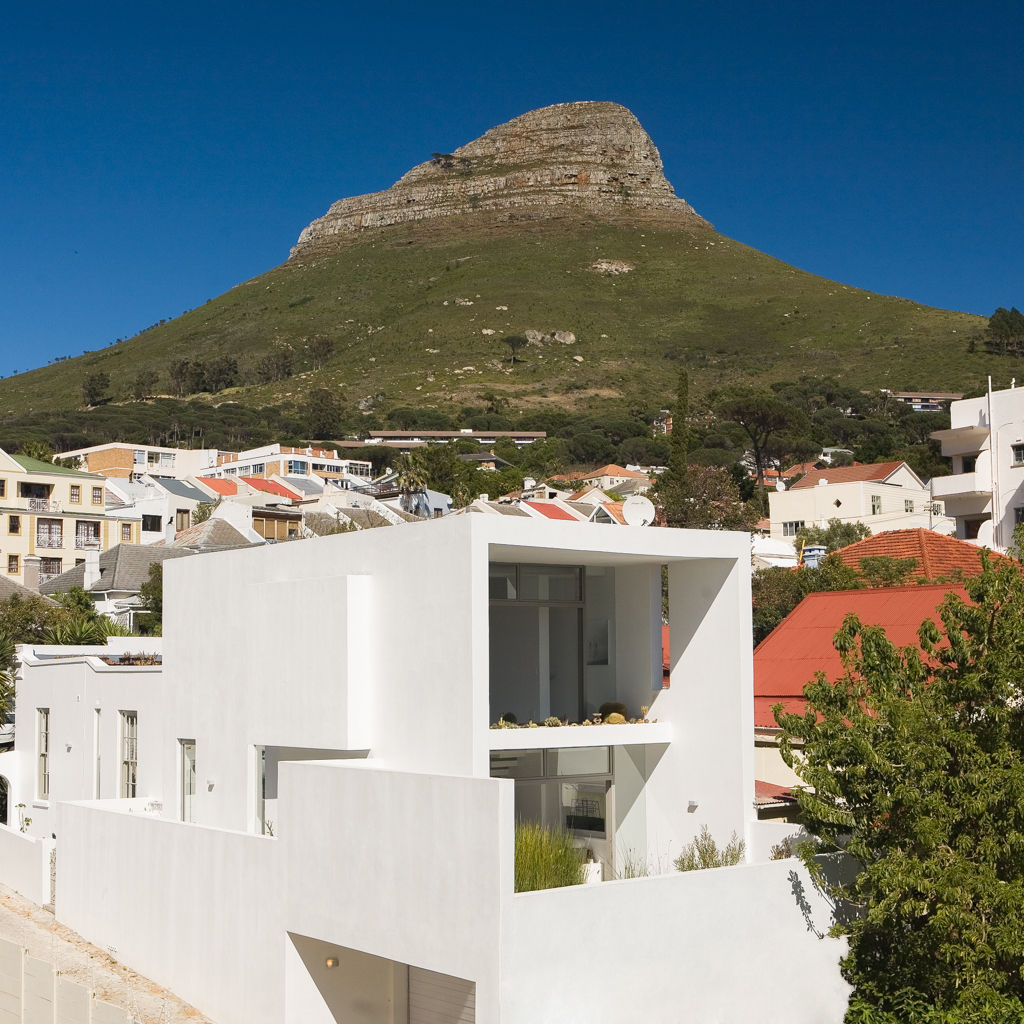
[320, 819]
[882, 496]
[985, 493]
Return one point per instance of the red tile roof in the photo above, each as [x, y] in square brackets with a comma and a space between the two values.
[801, 645]
[220, 486]
[848, 474]
[551, 511]
[767, 793]
[270, 487]
[937, 555]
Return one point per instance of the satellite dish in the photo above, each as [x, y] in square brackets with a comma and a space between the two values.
[780, 485]
[638, 511]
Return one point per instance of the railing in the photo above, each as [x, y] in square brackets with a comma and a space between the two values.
[45, 577]
[49, 541]
[87, 543]
[43, 505]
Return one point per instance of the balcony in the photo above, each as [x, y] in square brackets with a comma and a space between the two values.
[43, 505]
[49, 541]
[963, 485]
[87, 543]
[45, 577]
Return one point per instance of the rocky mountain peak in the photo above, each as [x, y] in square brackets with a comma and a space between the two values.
[591, 157]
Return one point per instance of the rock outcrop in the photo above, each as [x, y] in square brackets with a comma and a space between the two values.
[589, 157]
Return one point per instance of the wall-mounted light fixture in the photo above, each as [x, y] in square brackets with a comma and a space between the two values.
[691, 806]
[331, 961]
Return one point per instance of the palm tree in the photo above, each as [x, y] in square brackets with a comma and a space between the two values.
[411, 478]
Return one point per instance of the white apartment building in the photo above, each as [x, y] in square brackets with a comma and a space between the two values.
[279, 460]
[882, 496]
[985, 493]
[125, 461]
[306, 814]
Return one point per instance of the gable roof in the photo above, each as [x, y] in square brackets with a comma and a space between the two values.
[122, 568]
[221, 486]
[801, 645]
[270, 487]
[610, 470]
[182, 489]
[936, 554]
[849, 474]
[549, 510]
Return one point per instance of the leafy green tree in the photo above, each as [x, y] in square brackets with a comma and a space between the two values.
[1005, 332]
[151, 621]
[834, 536]
[203, 511]
[319, 347]
[411, 478]
[323, 414]
[95, 387]
[219, 373]
[514, 342]
[145, 384]
[762, 417]
[913, 764]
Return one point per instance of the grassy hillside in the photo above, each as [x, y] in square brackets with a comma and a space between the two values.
[389, 299]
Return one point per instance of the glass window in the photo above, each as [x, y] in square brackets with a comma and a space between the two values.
[43, 775]
[1018, 515]
[151, 523]
[126, 531]
[876, 504]
[550, 583]
[1018, 454]
[3, 488]
[789, 529]
[97, 495]
[14, 524]
[969, 462]
[139, 457]
[295, 466]
[502, 582]
[908, 505]
[517, 764]
[583, 806]
[129, 753]
[13, 566]
[76, 494]
[578, 761]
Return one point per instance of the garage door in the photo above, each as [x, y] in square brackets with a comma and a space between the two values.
[440, 998]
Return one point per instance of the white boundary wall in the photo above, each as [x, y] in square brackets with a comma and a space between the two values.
[26, 865]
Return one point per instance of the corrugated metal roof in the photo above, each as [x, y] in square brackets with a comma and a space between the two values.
[182, 489]
[801, 645]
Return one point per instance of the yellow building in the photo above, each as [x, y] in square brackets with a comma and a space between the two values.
[51, 516]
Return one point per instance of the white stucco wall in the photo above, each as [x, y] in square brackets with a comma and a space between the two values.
[730, 944]
[26, 863]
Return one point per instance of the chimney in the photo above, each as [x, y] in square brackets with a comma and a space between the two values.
[822, 482]
[31, 574]
[92, 568]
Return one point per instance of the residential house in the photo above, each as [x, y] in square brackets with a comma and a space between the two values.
[49, 517]
[926, 401]
[801, 646]
[406, 439]
[939, 558]
[315, 831]
[985, 440]
[882, 496]
[611, 477]
[114, 578]
[162, 505]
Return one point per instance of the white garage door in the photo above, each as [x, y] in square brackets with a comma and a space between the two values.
[440, 998]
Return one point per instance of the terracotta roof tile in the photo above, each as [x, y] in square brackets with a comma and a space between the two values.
[938, 556]
[848, 474]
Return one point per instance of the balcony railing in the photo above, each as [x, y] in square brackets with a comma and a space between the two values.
[87, 543]
[49, 541]
[45, 577]
[43, 505]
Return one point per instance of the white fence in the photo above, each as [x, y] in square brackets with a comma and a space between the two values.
[26, 866]
[31, 992]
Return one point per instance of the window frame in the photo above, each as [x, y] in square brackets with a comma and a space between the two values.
[43, 754]
[876, 504]
[97, 495]
[790, 527]
[13, 565]
[126, 533]
[908, 505]
[129, 754]
[75, 494]
[14, 526]
[1017, 454]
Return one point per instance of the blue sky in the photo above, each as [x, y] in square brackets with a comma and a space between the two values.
[152, 156]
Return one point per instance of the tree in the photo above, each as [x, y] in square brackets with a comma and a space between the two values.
[220, 373]
[1005, 332]
[411, 478]
[203, 511]
[762, 417]
[913, 764]
[145, 384]
[319, 347]
[515, 342]
[707, 499]
[322, 413]
[179, 373]
[151, 622]
[834, 536]
[95, 387]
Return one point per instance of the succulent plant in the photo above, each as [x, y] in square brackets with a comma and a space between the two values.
[615, 719]
[613, 707]
[552, 721]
